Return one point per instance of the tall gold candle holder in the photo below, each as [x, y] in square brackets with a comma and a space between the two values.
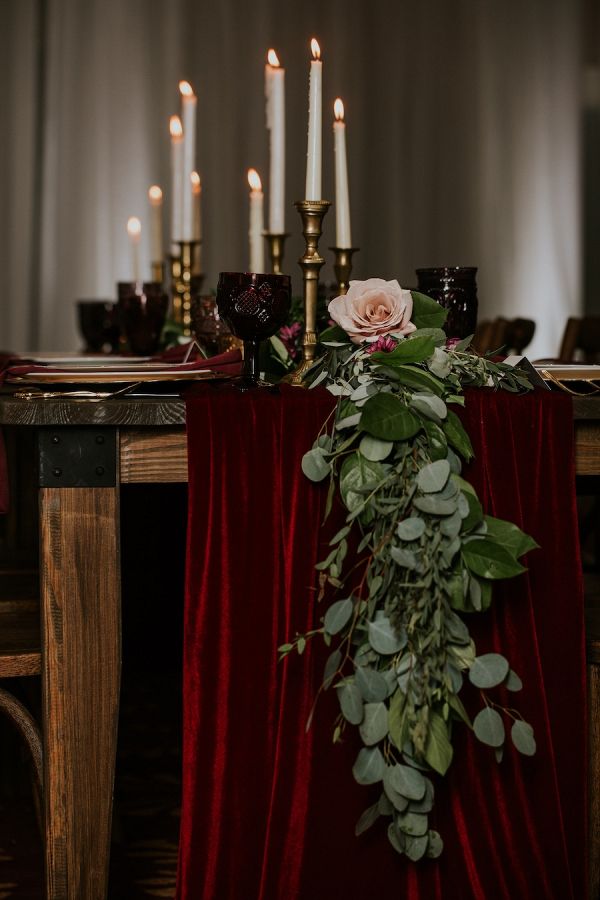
[312, 213]
[276, 244]
[182, 286]
[158, 272]
[342, 266]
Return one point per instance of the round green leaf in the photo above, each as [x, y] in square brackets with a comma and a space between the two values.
[386, 417]
[369, 766]
[513, 682]
[429, 405]
[394, 838]
[489, 727]
[374, 449]
[383, 637]
[372, 684]
[338, 615]
[413, 824]
[522, 737]
[436, 845]
[434, 476]
[351, 702]
[415, 847]
[374, 725]
[410, 529]
[488, 670]
[408, 781]
[314, 464]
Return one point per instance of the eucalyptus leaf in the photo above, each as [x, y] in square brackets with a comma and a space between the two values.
[435, 506]
[382, 636]
[435, 845]
[413, 824]
[351, 702]
[489, 727]
[418, 379]
[371, 684]
[368, 818]
[369, 766]
[415, 847]
[394, 838]
[314, 464]
[408, 781]
[513, 682]
[358, 475]
[438, 445]
[488, 670]
[374, 726]
[522, 737]
[440, 363]
[404, 558]
[410, 529]
[386, 807]
[434, 476]
[332, 666]
[430, 406]
[398, 801]
[396, 721]
[338, 615]
[374, 449]
[425, 804]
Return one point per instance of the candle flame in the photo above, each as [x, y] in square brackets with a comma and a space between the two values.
[196, 183]
[155, 193]
[175, 127]
[254, 180]
[316, 50]
[134, 227]
[338, 110]
[272, 58]
[186, 89]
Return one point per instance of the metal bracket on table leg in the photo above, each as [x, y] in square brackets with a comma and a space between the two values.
[77, 456]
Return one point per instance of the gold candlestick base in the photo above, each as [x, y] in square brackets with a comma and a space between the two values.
[181, 270]
[276, 244]
[312, 213]
[342, 267]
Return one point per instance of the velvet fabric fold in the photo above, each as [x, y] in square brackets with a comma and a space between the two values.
[269, 808]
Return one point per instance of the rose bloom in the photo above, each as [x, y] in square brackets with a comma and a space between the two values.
[372, 308]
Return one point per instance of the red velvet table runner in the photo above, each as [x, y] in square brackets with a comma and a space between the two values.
[269, 809]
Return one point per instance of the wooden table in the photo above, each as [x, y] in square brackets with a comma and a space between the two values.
[85, 452]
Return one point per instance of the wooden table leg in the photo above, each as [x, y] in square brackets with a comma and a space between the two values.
[81, 667]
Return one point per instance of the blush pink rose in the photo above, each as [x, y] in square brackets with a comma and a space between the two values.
[372, 308]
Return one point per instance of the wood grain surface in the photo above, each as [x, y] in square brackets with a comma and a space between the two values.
[81, 636]
[153, 455]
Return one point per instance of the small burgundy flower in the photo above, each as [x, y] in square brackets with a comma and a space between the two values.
[452, 342]
[384, 344]
[289, 335]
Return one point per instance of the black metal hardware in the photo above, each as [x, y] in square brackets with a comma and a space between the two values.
[83, 456]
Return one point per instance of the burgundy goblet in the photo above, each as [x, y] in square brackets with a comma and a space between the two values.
[254, 306]
[143, 310]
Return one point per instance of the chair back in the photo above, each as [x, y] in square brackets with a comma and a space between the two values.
[581, 340]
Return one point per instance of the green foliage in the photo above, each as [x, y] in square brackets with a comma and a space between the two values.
[427, 558]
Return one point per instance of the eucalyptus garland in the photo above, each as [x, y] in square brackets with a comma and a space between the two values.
[426, 554]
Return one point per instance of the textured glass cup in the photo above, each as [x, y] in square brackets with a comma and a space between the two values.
[455, 288]
[254, 306]
[98, 322]
[142, 311]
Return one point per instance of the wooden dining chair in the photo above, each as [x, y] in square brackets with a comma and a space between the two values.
[508, 336]
[581, 340]
[20, 658]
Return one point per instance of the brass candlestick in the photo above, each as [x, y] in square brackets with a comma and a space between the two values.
[158, 272]
[276, 244]
[342, 267]
[182, 293]
[312, 213]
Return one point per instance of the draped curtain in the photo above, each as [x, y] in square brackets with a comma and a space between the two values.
[463, 142]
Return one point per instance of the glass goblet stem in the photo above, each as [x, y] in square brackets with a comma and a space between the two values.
[251, 365]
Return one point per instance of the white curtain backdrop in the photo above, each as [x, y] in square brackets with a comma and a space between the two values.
[463, 142]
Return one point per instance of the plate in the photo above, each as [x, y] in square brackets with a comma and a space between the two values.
[85, 362]
[565, 372]
[115, 376]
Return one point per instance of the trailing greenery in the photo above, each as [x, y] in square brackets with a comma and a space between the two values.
[423, 555]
